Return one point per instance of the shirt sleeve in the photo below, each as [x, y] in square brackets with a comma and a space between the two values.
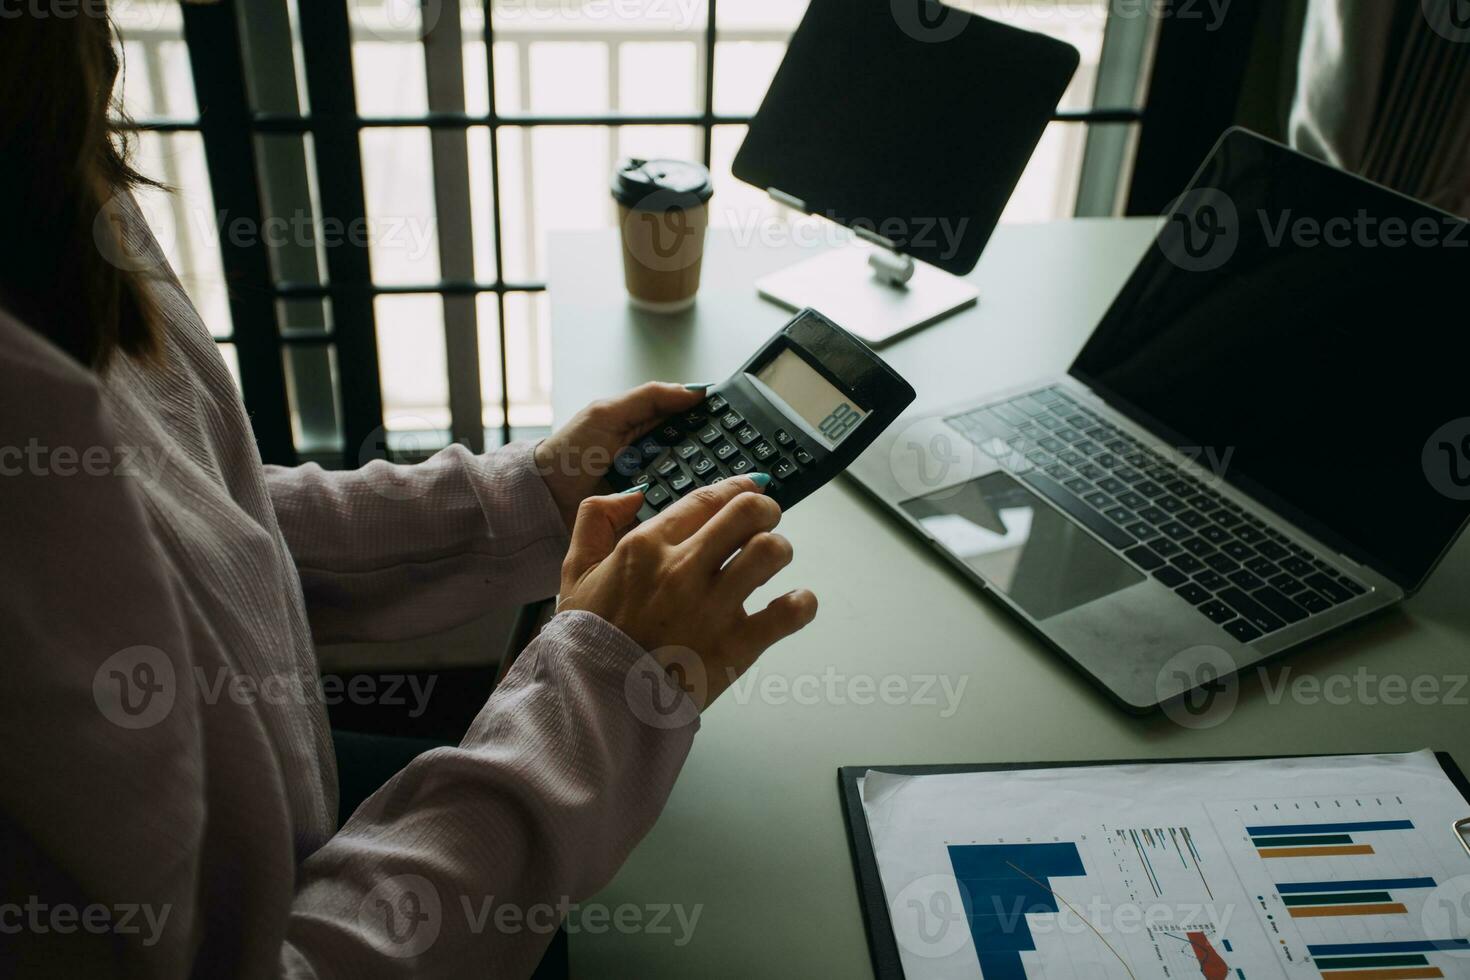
[101, 779]
[468, 859]
[388, 552]
[114, 768]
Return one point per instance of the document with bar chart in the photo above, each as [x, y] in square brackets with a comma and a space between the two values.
[1342, 868]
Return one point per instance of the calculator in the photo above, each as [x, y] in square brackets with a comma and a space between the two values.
[802, 409]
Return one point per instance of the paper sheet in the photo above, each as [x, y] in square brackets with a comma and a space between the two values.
[1343, 868]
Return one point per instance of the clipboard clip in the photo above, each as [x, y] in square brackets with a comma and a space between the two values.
[1462, 831]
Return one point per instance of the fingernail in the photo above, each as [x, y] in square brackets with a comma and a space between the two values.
[635, 488]
[700, 387]
[761, 480]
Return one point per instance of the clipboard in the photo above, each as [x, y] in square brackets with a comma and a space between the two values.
[882, 945]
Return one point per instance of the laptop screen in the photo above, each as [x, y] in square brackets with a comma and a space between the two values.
[1306, 335]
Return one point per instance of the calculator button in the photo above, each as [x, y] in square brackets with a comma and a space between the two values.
[703, 466]
[739, 464]
[686, 450]
[784, 469]
[709, 434]
[783, 438]
[668, 467]
[724, 451]
[680, 483]
[650, 447]
[690, 421]
[670, 434]
[716, 404]
[628, 461]
[747, 435]
[732, 419]
[658, 495]
[803, 457]
[763, 451]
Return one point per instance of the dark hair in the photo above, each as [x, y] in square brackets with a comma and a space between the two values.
[61, 164]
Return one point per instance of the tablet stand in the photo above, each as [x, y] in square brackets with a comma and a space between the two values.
[874, 291]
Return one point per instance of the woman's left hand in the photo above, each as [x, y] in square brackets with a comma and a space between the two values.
[574, 459]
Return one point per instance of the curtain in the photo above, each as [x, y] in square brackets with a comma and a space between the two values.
[1383, 90]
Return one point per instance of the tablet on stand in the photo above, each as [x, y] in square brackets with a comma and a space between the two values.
[910, 123]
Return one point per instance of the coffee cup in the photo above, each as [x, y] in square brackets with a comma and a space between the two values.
[663, 212]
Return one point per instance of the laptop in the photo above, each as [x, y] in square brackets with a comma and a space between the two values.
[1266, 438]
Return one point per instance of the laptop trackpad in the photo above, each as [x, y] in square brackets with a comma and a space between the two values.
[1021, 545]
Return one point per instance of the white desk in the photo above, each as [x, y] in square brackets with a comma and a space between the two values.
[753, 832]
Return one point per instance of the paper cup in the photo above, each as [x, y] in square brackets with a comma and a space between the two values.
[663, 214]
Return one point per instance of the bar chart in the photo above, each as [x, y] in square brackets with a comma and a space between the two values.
[1179, 872]
[1372, 896]
[1409, 960]
[1111, 902]
[1000, 884]
[1321, 839]
[1346, 880]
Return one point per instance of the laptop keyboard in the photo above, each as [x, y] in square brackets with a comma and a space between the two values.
[1236, 570]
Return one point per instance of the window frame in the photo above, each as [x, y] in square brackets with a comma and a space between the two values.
[230, 130]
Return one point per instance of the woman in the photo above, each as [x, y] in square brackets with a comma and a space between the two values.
[157, 584]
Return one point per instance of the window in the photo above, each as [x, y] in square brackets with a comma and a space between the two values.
[376, 180]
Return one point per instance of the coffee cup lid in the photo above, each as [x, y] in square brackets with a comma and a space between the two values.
[660, 185]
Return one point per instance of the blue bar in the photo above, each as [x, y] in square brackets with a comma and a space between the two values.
[1387, 884]
[1329, 828]
[1011, 861]
[1001, 966]
[998, 884]
[1416, 946]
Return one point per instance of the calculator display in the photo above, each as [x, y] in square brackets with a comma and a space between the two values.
[796, 388]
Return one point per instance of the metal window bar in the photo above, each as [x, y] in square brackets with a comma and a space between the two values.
[1128, 43]
[232, 174]
[326, 35]
[335, 124]
[497, 229]
[444, 64]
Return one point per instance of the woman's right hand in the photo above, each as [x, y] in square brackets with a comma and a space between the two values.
[667, 584]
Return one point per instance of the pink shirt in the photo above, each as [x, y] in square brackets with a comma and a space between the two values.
[163, 747]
